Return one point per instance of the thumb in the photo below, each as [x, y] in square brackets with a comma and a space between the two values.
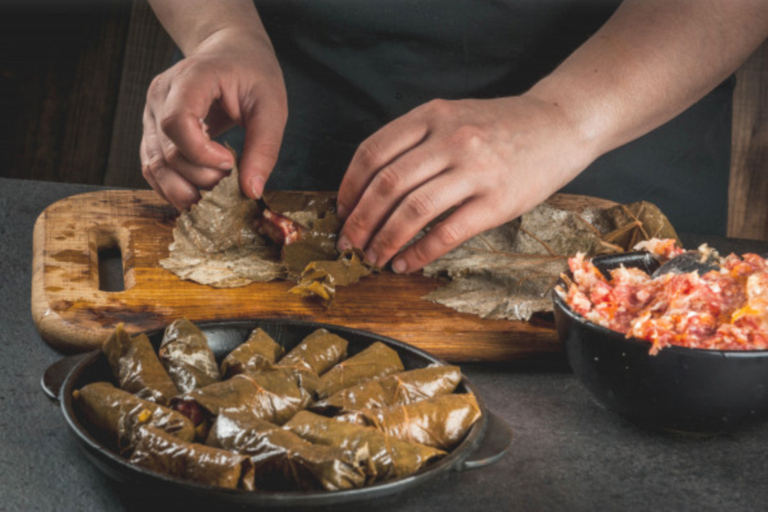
[264, 127]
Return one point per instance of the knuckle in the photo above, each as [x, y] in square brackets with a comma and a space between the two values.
[172, 154]
[155, 167]
[469, 137]
[384, 241]
[368, 153]
[449, 234]
[437, 108]
[419, 254]
[356, 222]
[181, 198]
[419, 205]
[168, 121]
[208, 180]
[156, 88]
[387, 180]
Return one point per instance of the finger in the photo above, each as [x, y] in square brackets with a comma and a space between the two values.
[218, 120]
[264, 127]
[185, 108]
[146, 154]
[374, 153]
[176, 189]
[418, 209]
[201, 177]
[387, 188]
[469, 220]
[145, 170]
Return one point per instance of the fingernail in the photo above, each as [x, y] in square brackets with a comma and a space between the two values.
[342, 211]
[343, 244]
[398, 266]
[370, 257]
[256, 185]
[225, 166]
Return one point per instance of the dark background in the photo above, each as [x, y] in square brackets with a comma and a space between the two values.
[73, 77]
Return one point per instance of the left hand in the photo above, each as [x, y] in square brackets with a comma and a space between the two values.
[491, 160]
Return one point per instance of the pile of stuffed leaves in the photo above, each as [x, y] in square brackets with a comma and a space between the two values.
[245, 423]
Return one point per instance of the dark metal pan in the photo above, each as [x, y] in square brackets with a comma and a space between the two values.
[486, 442]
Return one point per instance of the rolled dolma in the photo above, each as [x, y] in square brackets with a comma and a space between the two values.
[397, 389]
[136, 367]
[377, 360]
[317, 353]
[282, 460]
[382, 457]
[159, 451]
[273, 395]
[441, 421]
[186, 355]
[116, 414]
[259, 352]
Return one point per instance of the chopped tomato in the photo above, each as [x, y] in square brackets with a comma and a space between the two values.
[723, 310]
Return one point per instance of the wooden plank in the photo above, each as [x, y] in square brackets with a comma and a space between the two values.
[748, 191]
[60, 76]
[148, 51]
[72, 313]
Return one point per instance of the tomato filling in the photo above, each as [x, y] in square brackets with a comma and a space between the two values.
[725, 309]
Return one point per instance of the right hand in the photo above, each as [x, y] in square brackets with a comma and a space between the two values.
[231, 78]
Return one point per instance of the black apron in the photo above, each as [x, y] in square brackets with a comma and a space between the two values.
[352, 66]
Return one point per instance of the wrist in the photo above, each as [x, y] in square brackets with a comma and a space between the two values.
[577, 138]
[230, 39]
[195, 24]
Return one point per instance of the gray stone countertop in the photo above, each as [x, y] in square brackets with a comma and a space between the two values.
[568, 453]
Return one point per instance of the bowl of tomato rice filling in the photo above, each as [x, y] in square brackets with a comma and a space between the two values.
[683, 350]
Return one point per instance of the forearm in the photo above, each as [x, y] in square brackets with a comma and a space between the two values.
[648, 63]
[192, 22]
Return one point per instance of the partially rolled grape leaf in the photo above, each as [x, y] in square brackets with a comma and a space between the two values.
[317, 244]
[320, 278]
[215, 242]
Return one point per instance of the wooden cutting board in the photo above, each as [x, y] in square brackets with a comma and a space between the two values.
[74, 314]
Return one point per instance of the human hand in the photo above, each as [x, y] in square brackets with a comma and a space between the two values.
[231, 77]
[491, 160]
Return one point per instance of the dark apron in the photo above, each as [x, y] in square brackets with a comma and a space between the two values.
[352, 66]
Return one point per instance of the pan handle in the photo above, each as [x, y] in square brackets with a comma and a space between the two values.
[54, 377]
[497, 440]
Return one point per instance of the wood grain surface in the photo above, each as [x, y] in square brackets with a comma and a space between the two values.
[74, 314]
[748, 190]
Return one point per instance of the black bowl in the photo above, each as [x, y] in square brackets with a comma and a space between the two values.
[487, 440]
[680, 388]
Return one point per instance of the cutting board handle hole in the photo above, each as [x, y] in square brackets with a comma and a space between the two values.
[111, 268]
